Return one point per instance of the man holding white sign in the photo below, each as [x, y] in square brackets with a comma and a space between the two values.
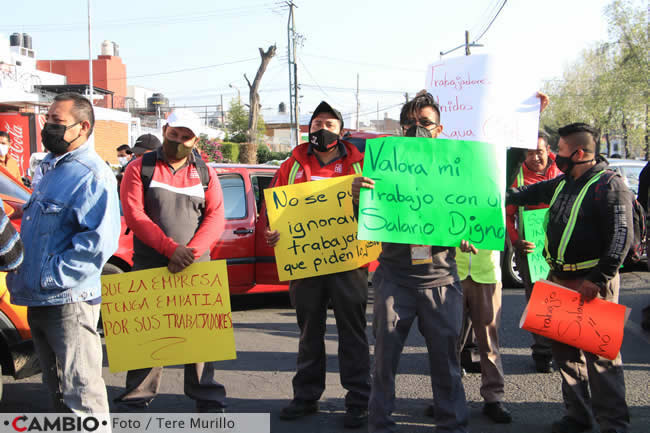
[327, 156]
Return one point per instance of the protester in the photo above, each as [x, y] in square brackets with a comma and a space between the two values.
[481, 280]
[174, 204]
[585, 257]
[11, 247]
[644, 184]
[70, 228]
[327, 156]
[6, 161]
[538, 166]
[124, 155]
[145, 143]
[430, 291]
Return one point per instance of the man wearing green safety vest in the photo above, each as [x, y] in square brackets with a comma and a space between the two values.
[326, 156]
[588, 234]
[538, 166]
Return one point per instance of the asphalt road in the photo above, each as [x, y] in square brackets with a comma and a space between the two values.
[267, 336]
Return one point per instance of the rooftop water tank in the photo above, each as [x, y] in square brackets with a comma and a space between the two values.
[107, 48]
[157, 100]
[16, 40]
[27, 41]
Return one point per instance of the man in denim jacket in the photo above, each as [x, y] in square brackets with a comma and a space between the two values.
[70, 227]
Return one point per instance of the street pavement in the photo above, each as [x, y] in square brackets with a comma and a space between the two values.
[267, 338]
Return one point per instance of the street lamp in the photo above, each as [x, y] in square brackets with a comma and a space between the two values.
[232, 86]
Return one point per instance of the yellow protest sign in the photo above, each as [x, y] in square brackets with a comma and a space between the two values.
[156, 318]
[318, 229]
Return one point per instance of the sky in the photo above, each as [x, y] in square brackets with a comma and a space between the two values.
[195, 51]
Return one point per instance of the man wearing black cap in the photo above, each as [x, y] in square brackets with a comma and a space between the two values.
[145, 143]
[327, 156]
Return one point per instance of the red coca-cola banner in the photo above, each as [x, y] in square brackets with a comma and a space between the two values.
[18, 127]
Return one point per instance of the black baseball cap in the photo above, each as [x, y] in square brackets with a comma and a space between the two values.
[145, 143]
[324, 107]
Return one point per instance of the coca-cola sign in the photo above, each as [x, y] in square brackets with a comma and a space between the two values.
[17, 126]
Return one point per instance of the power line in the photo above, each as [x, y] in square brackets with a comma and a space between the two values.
[353, 89]
[481, 24]
[312, 77]
[166, 19]
[198, 68]
[380, 65]
[492, 21]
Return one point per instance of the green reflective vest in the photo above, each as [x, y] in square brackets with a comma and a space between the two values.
[557, 263]
[483, 267]
[296, 166]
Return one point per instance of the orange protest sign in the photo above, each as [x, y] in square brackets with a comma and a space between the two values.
[559, 314]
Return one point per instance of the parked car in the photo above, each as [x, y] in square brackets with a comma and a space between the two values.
[630, 170]
[17, 356]
[251, 262]
[359, 138]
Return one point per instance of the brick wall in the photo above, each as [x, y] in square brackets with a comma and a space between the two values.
[108, 136]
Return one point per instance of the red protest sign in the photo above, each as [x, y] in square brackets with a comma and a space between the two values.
[559, 314]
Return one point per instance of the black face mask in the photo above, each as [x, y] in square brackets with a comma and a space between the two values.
[418, 131]
[52, 136]
[565, 164]
[323, 140]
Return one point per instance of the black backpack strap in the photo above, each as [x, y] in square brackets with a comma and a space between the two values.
[146, 173]
[202, 168]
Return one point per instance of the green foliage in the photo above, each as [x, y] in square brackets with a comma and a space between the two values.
[264, 154]
[230, 151]
[607, 85]
[237, 122]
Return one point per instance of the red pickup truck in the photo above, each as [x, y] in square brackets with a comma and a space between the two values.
[251, 263]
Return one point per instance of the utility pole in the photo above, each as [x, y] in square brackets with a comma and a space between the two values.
[358, 101]
[467, 52]
[90, 59]
[406, 96]
[223, 120]
[294, 111]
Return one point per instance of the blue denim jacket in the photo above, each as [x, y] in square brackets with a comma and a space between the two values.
[70, 228]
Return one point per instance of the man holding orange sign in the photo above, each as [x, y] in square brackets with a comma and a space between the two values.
[585, 257]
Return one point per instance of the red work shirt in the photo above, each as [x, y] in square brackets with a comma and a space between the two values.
[171, 217]
[530, 177]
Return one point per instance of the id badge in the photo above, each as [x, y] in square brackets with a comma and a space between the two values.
[421, 254]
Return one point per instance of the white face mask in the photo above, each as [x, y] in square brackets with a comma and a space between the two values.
[123, 160]
[4, 149]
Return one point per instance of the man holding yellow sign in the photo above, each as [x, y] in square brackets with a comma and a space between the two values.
[326, 156]
[173, 203]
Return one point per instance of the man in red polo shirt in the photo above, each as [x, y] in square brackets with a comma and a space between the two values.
[174, 204]
[538, 166]
[326, 156]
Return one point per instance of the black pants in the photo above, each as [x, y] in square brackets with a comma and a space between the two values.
[348, 293]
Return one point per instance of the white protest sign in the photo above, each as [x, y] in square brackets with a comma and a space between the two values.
[483, 98]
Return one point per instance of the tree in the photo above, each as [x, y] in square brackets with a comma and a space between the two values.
[236, 122]
[607, 85]
[250, 155]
